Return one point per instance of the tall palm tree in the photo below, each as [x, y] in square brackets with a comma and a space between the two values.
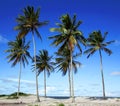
[69, 36]
[96, 42]
[63, 64]
[44, 64]
[29, 22]
[18, 53]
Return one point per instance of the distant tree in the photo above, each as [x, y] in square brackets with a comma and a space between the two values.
[63, 63]
[69, 36]
[29, 22]
[44, 64]
[96, 42]
[18, 53]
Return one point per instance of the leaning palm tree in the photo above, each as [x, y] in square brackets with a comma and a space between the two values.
[69, 36]
[96, 42]
[63, 64]
[29, 22]
[18, 53]
[44, 64]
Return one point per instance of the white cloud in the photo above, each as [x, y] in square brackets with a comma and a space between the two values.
[117, 43]
[95, 85]
[3, 40]
[113, 93]
[49, 90]
[66, 92]
[7, 80]
[115, 73]
[83, 66]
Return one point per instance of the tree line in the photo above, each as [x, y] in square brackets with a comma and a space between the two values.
[67, 38]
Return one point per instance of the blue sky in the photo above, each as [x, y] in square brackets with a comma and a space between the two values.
[95, 15]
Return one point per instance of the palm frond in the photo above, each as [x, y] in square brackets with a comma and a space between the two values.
[43, 62]
[18, 51]
[29, 22]
[38, 34]
[108, 51]
[97, 42]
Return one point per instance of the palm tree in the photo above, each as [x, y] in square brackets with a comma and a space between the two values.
[18, 53]
[69, 36]
[44, 64]
[96, 42]
[29, 22]
[63, 64]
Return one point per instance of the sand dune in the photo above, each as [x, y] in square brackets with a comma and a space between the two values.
[79, 101]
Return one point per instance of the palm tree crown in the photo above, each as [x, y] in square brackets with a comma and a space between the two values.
[63, 61]
[18, 51]
[69, 33]
[29, 22]
[43, 62]
[97, 42]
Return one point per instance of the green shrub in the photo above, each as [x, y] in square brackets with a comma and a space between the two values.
[14, 95]
[3, 95]
[20, 94]
[61, 104]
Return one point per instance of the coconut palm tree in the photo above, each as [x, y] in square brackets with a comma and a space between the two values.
[96, 42]
[44, 64]
[69, 36]
[63, 64]
[29, 22]
[18, 53]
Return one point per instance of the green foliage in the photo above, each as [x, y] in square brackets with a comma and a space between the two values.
[61, 104]
[68, 33]
[18, 51]
[14, 95]
[3, 95]
[29, 22]
[20, 93]
[96, 42]
[62, 61]
[44, 62]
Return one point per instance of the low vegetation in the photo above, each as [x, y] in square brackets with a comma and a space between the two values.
[61, 104]
[14, 95]
[20, 93]
[2, 95]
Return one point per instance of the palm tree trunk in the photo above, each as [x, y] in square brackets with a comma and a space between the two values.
[37, 92]
[45, 82]
[72, 82]
[69, 78]
[19, 79]
[101, 66]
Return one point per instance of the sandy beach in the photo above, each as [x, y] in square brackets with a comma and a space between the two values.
[49, 101]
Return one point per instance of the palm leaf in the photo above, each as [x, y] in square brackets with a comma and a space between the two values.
[108, 51]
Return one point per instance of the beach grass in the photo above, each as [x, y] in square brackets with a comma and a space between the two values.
[3, 95]
[61, 104]
[14, 95]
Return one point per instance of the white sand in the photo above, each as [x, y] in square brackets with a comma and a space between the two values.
[79, 101]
